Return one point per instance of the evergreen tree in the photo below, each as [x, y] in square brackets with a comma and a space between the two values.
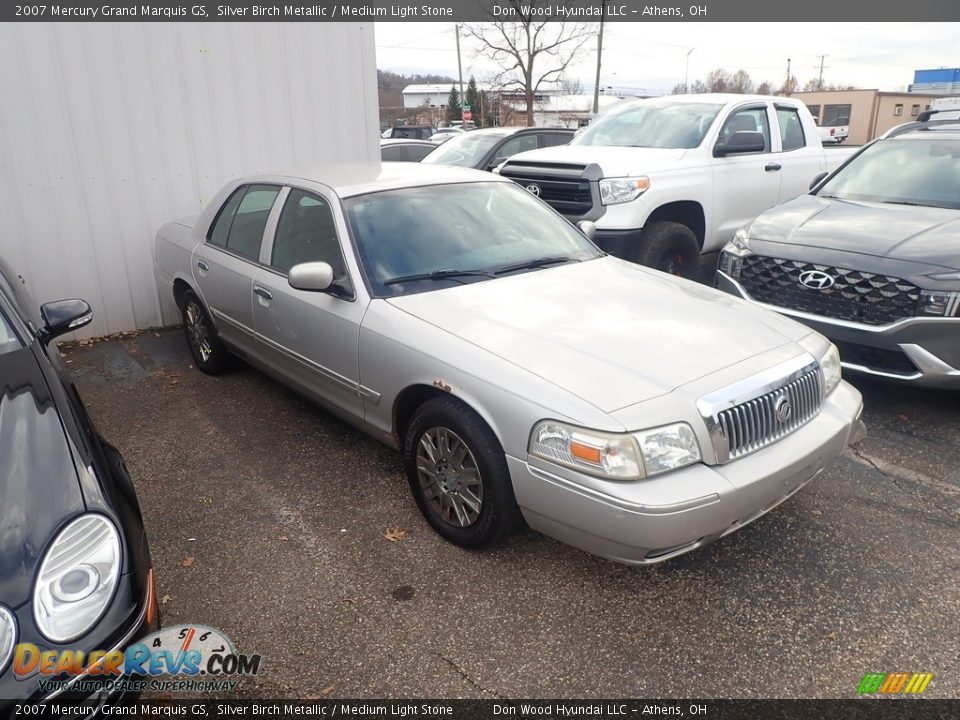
[472, 96]
[454, 110]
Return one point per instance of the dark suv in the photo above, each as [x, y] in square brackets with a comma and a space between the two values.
[411, 132]
[870, 257]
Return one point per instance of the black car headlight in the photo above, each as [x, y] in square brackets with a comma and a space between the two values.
[8, 637]
[77, 578]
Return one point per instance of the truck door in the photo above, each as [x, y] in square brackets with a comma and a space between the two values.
[801, 157]
[744, 185]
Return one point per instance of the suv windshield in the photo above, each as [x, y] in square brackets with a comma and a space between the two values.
[467, 149]
[658, 125]
[8, 338]
[452, 234]
[903, 171]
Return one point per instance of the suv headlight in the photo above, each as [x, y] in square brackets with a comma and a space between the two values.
[617, 456]
[8, 637]
[731, 257]
[940, 303]
[77, 578]
[830, 367]
[614, 191]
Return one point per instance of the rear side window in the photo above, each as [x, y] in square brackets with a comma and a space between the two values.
[240, 224]
[306, 233]
[552, 139]
[791, 130]
[416, 153]
[390, 153]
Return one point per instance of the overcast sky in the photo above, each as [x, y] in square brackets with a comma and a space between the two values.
[649, 57]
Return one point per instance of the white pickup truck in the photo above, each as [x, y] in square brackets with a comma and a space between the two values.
[668, 180]
[832, 134]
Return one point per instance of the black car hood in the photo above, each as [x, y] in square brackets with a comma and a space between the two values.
[899, 232]
[39, 487]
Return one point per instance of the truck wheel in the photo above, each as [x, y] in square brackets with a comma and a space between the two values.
[458, 474]
[669, 247]
[209, 352]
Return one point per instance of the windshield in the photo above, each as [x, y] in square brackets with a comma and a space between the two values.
[656, 125]
[465, 149]
[474, 229]
[8, 338]
[908, 171]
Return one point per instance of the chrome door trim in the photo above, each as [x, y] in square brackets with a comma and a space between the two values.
[330, 375]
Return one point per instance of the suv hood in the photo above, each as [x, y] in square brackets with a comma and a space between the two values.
[900, 232]
[608, 331]
[614, 161]
[39, 487]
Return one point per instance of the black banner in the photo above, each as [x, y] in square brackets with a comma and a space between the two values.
[865, 709]
[478, 10]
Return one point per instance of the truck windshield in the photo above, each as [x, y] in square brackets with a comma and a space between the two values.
[680, 125]
[906, 171]
[426, 238]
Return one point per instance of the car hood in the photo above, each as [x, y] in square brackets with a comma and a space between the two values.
[614, 161]
[39, 487]
[900, 232]
[608, 331]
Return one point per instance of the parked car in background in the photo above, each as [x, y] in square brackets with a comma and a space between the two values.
[488, 148]
[405, 150]
[524, 374]
[75, 569]
[409, 132]
[870, 257]
[444, 134]
[832, 134]
[669, 179]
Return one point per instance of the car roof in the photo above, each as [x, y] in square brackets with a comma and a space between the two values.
[405, 141]
[504, 131]
[350, 179]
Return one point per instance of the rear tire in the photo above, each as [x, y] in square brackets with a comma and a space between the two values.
[671, 248]
[208, 351]
[458, 474]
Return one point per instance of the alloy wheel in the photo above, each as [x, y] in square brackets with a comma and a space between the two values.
[198, 333]
[449, 476]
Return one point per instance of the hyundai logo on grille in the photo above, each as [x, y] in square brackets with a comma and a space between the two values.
[783, 409]
[533, 189]
[816, 279]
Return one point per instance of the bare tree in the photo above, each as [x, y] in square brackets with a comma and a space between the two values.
[530, 53]
[740, 82]
[765, 88]
[571, 86]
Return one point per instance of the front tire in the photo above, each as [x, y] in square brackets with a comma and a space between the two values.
[671, 248]
[458, 474]
[208, 351]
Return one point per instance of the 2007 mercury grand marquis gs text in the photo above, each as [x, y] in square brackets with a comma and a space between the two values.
[524, 374]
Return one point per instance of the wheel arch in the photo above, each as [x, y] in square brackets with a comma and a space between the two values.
[685, 212]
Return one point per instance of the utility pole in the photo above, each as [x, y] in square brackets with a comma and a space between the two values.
[786, 83]
[596, 85]
[459, 69]
[686, 73]
[820, 81]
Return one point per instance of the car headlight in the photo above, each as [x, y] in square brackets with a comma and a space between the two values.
[617, 456]
[620, 190]
[731, 257]
[940, 303]
[8, 637]
[830, 367]
[77, 578]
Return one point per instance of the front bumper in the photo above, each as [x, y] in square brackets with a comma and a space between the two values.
[920, 350]
[632, 524]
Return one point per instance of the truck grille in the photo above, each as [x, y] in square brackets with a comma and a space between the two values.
[560, 186]
[855, 295]
[757, 423]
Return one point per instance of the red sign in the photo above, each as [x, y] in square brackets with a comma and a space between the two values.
[467, 115]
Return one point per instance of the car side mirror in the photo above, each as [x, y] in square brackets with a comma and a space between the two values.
[742, 141]
[314, 276]
[63, 316]
[588, 228]
[817, 179]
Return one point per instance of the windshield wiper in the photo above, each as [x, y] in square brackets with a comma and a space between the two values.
[438, 275]
[536, 263]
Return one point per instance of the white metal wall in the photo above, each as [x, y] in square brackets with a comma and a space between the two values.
[108, 130]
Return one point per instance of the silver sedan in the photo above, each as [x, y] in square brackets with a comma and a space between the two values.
[524, 375]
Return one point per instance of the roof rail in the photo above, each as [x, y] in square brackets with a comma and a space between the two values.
[920, 125]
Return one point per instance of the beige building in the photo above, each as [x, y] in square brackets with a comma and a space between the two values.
[868, 113]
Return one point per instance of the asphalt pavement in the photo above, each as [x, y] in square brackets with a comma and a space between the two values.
[268, 518]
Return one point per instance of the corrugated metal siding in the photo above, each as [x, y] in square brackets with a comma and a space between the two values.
[109, 130]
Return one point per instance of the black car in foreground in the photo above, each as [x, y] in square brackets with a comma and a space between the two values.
[870, 257]
[488, 148]
[75, 570]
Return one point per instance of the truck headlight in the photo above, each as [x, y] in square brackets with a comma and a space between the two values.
[940, 303]
[830, 367]
[617, 456]
[77, 578]
[614, 191]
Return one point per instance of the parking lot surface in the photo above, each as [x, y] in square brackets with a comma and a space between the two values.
[267, 518]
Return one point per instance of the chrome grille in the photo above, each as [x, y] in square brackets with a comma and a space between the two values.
[755, 423]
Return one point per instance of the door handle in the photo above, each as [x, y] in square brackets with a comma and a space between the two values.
[263, 292]
[772, 166]
[202, 265]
